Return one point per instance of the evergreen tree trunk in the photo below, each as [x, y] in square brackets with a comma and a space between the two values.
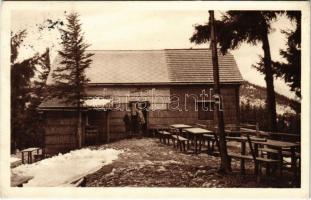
[224, 165]
[271, 106]
[79, 121]
[79, 129]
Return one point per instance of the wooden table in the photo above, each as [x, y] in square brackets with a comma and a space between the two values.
[238, 132]
[197, 132]
[280, 145]
[180, 127]
[29, 152]
[244, 139]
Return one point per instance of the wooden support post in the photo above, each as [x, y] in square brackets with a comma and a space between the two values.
[23, 160]
[83, 127]
[242, 159]
[257, 130]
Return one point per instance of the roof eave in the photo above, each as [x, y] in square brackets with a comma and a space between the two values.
[165, 83]
[69, 109]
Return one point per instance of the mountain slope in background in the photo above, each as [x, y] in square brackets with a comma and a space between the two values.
[256, 96]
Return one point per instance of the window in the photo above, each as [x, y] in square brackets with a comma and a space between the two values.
[206, 110]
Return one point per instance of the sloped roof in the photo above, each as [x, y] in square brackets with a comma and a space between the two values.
[195, 65]
[169, 66]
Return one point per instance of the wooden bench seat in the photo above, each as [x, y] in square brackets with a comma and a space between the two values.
[165, 132]
[268, 150]
[269, 160]
[164, 137]
[181, 142]
[259, 160]
[179, 138]
[275, 151]
[210, 142]
[212, 137]
[236, 155]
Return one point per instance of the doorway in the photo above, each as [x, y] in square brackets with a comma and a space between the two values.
[94, 127]
[144, 107]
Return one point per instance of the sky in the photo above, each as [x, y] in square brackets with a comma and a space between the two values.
[121, 28]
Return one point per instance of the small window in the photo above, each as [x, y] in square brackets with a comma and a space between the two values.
[206, 110]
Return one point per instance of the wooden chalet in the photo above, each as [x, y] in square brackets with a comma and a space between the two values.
[166, 84]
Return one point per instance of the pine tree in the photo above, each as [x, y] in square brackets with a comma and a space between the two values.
[21, 74]
[69, 76]
[253, 27]
[35, 130]
[25, 95]
[291, 70]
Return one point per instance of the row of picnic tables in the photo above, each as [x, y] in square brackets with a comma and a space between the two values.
[197, 135]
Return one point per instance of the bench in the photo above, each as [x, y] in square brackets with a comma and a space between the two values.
[259, 161]
[239, 156]
[164, 137]
[242, 159]
[285, 153]
[210, 142]
[275, 151]
[181, 142]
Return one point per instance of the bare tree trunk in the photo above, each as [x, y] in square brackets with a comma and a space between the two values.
[271, 107]
[224, 165]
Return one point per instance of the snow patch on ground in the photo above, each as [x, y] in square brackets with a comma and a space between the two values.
[14, 159]
[65, 168]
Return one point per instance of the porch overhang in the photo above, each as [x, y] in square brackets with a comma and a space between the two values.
[90, 103]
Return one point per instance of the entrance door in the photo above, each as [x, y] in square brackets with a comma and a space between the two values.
[95, 124]
[144, 107]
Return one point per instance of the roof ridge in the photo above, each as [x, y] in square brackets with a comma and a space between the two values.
[125, 50]
[148, 49]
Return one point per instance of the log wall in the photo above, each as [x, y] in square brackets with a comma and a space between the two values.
[60, 129]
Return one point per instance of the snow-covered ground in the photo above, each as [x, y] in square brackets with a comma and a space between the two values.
[280, 108]
[62, 169]
[14, 159]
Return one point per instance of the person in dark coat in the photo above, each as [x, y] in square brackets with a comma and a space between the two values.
[141, 123]
[127, 123]
[134, 120]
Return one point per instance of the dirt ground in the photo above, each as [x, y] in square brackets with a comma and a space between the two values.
[148, 163]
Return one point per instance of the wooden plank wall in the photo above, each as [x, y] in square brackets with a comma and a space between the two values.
[60, 128]
[230, 103]
[117, 127]
[98, 119]
[228, 93]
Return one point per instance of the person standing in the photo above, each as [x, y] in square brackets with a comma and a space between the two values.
[134, 119]
[127, 123]
[141, 122]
